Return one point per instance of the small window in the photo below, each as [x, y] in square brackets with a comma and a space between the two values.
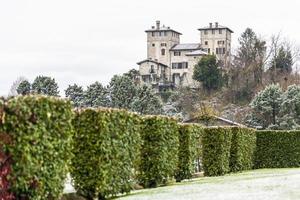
[217, 50]
[208, 50]
[153, 44]
[177, 53]
[205, 32]
[152, 69]
[163, 44]
[206, 42]
[220, 31]
[163, 52]
[153, 34]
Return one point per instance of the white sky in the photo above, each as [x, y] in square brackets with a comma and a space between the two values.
[83, 41]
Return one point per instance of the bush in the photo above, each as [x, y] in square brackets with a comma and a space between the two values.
[106, 144]
[189, 135]
[277, 149]
[243, 145]
[216, 150]
[159, 151]
[37, 132]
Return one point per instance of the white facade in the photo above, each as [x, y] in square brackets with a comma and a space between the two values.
[171, 63]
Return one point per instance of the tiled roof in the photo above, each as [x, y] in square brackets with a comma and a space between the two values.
[188, 46]
[153, 61]
[196, 53]
[213, 27]
[163, 28]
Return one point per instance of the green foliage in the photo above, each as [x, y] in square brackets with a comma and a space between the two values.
[45, 85]
[208, 72]
[283, 62]
[159, 150]
[106, 144]
[75, 94]
[242, 150]
[266, 106]
[122, 91]
[39, 131]
[96, 95]
[189, 135]
[277, 149]
[146, 101]
[24, 88]
[216, 150]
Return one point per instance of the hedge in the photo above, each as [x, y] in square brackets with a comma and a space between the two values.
[106, 144]
[216, 150]
[243, 145]
[277, 149]
[189, 138]
[36, 135]
[159, 150]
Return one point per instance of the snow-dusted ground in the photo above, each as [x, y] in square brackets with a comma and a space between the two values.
[266, 184]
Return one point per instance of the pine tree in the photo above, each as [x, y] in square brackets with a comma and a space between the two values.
[45, 85]
[146, 101]
[76, 94]
[24, 88]
[96, 95]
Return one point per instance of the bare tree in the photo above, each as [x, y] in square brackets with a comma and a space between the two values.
[16, 83]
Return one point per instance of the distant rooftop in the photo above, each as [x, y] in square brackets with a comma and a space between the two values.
[161, 28]
[187, 46]
[196, 53]
[214, 27]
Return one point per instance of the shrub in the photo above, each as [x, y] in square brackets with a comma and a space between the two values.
[189, 135]
[277, 149]
[106, 144]
[216, 150]
[243, 145]
[37, 132]
[159, 150]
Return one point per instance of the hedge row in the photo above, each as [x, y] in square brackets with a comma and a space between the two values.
[189, 142]
[35, 147]
[227, 149]
[277, 149]
[106, 145]
[159, 150]
[242, 150]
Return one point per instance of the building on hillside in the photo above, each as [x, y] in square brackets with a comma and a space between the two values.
[170, 63]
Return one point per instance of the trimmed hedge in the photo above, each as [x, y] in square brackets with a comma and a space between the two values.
[38, 133]
[106, 144]
[159, 150]
[216, 150]
[243, 146]
[189, 136]
[277, 149]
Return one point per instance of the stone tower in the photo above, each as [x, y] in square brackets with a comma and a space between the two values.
[216, 39]
[160, 39]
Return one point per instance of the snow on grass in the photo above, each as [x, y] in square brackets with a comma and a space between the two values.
[264, 184]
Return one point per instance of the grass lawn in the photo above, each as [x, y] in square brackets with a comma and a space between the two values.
[266, 184]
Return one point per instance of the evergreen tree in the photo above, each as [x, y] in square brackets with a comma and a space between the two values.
[266, 107]
[146, 101]
[208, 72]
[96, 95]
[122, 92]
[45, 85]
[283, 62]
[24, 88]
[76, 94]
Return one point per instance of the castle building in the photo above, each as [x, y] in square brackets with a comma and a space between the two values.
[170, 63]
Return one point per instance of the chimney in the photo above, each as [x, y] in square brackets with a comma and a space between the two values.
[153, 27]
[157, 24]
[210, 25]
[217, 24]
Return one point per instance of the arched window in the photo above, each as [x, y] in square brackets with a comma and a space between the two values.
[163, 52]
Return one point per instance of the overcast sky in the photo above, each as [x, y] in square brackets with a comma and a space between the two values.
[83, 41]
